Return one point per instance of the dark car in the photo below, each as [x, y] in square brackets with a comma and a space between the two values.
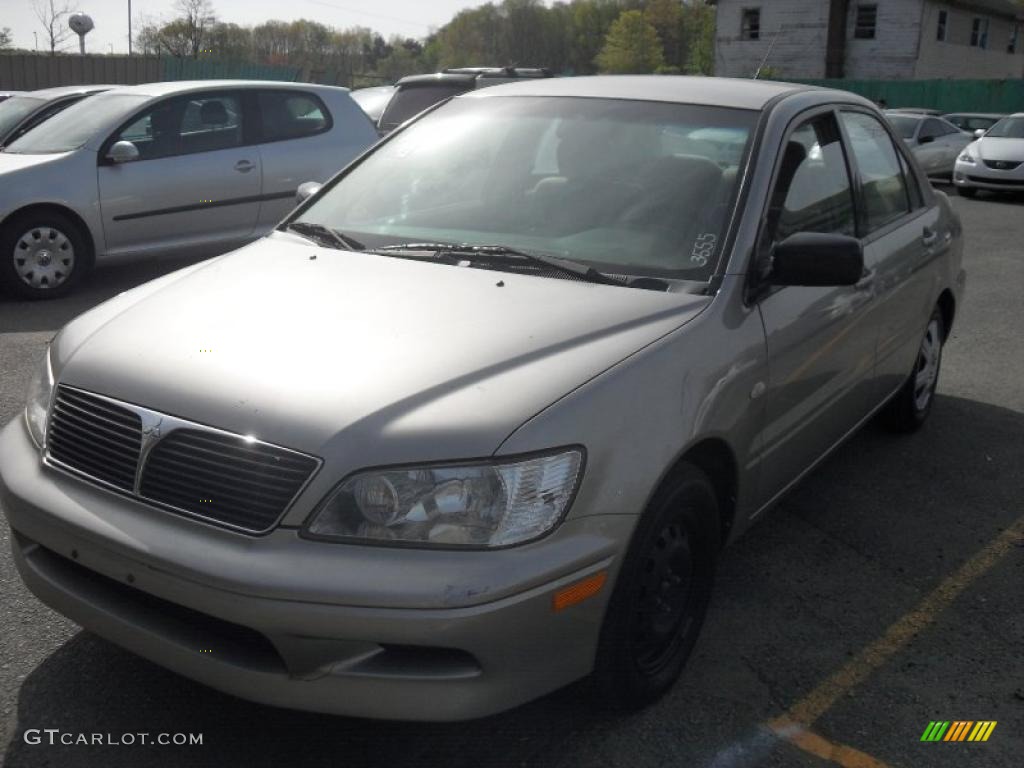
[416, 93]
[24, 111]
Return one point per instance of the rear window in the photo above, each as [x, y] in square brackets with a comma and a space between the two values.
[290, 115]
[14, 110]
[409, 101]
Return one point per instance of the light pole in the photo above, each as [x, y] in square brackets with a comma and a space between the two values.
[129, 27]
[36, 36]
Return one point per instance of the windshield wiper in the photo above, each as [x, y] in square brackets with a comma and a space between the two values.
[554, 262]
[325, 235]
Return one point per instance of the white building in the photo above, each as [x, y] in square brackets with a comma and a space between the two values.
[885, 40]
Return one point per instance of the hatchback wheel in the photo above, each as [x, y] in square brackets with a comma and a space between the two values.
[909, 409]
[661, 595]
[42, 255]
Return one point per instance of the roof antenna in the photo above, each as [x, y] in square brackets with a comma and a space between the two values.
[771, 47]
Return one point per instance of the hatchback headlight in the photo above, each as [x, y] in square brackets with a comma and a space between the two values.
[966, 157]
[476, 505]
[40, 390]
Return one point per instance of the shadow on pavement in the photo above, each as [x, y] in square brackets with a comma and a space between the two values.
[854, 547]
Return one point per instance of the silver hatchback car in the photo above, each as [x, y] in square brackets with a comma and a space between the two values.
[478, 418]
[167, 167]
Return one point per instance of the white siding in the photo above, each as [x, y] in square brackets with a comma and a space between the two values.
[956, 57]
[892, 55]
[799, 51]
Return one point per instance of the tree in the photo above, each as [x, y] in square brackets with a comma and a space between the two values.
[666, 17]
[5, 38]
[53, 15]
[700, 59]
[632, 46]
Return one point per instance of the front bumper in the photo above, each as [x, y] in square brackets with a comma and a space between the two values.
[176, 592]
[980, 176]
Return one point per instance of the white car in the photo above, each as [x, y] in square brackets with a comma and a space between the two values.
[183, 167]
[995, 161]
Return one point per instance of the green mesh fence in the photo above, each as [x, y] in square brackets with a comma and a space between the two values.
[945, 95]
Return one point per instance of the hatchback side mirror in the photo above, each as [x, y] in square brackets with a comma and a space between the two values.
[306, 190]
[926, 140]
[814, 259]
[123, 152]
[978, 133]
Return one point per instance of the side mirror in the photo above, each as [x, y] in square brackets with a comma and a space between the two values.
[926, 139]
[123, 152]
[306, 190]
[979, 133]
[813, 259]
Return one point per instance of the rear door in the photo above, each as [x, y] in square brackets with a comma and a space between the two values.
[299, 140]
[900, 223]
[196, 182]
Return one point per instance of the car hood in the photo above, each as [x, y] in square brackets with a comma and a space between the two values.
[327, 351]
[1000, 149]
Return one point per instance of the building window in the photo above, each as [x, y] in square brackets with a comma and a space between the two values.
[1011, 47]
[979, 33]
[750, 26]
[867, 15]
[940, 33]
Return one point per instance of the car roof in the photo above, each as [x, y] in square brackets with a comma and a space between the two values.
[973, 114]
[66, 90]
[188, 86]
[715, 91]
[468, 75]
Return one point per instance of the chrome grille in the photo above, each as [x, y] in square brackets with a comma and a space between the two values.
[223, 477]
[187, 468]
[95, 437]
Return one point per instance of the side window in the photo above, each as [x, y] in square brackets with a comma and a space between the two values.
[913, 187]
[186, 126]
[290, 115]
[935, 128]
[812, 192]
[883, 188]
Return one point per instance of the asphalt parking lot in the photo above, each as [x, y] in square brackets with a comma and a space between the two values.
[883, 594]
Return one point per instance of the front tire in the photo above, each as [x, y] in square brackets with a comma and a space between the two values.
[909, 409]
[43, 255]
[661, 596]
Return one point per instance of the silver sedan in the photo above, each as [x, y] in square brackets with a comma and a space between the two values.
[476, 420]
[167, 167]
[936, 143]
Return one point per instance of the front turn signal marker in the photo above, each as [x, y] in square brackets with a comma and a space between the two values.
[578, 592]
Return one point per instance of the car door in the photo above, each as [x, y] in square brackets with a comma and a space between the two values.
[931, 152]
[900, 223]
[196, 182]
[953, 141]
[299, 141]
[820, 348]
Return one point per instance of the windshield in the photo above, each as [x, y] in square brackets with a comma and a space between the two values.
[905, 126]
[77, 124]
[409, 101]
[1007, 128]
[631, 187]
[14, 110]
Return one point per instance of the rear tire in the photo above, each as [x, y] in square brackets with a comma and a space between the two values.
[910, 407]
[44, 254]
[661, 596]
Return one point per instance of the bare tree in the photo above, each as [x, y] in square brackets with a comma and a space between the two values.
[196, 17]
[53, 15]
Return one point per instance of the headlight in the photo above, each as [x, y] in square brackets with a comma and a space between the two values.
[477, 505]
[39, 393]
[966, 157]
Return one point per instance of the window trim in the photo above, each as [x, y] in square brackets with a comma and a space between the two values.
[858, 28]
[912, 213]
[749, 31]
[239, 94]
[979, 32]
[257, 133]
[756, 289]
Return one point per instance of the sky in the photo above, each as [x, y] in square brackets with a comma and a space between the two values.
[409, 18]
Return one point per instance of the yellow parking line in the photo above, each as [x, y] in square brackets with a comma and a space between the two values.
[793, 726]
[856, 670]
[819, 746]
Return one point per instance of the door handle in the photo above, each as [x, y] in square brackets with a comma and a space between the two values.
[244, 166]
[929, 237]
